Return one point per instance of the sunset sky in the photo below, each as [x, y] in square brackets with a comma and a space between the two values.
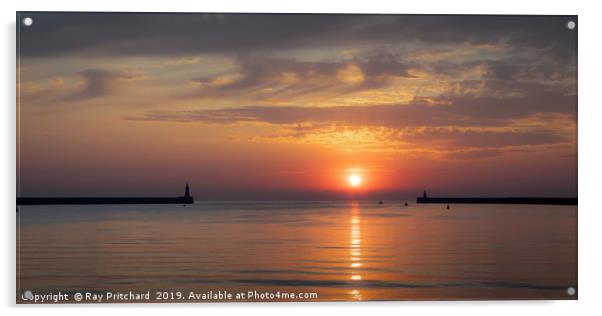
[262, 106]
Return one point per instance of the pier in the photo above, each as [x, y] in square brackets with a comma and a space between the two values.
[186, 199]
[498, 200]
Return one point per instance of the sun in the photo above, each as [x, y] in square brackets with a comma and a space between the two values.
[355, 180]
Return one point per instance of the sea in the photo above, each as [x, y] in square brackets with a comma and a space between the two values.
[298, 251]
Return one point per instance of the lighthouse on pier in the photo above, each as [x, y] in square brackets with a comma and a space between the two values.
[187, 198]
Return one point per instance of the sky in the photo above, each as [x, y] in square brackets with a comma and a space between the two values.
[271, 107]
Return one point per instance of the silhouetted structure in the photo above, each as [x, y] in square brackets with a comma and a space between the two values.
[187, 191]
[186, 199]
[497, 200]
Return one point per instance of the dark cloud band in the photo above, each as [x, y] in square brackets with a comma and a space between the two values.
[180, 34]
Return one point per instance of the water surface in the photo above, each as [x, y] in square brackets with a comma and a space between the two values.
[339, 250]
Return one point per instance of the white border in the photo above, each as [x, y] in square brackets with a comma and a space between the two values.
[590, 158]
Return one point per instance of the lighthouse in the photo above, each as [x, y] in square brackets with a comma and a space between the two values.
[187, 198]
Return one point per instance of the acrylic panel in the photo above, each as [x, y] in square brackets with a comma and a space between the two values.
[206, 157]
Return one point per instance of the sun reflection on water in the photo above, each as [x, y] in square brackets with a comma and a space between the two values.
[355, 249]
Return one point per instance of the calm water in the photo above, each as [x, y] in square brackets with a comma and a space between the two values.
[339, 250]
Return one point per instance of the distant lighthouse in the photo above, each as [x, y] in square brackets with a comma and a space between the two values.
[187, 191]
[187, 198]
[423, 199]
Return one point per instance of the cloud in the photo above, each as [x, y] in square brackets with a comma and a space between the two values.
[99, 83]
[182, 61]
[474, 154]
[185, 34]
[34, 93]
[483, 80]
[264, 78]
[288, 59]
[477, 138]
[463, 128]
[452, 142]
[377, 115]
[454, 111]
[531, 69]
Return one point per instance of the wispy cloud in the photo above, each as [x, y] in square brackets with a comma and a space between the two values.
[448, 112]
[99, 83]
[463, 127]
[182, 61]
[265, 78]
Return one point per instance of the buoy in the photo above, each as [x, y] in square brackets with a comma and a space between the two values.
[406, 204]
[447, 206]
[380, 202]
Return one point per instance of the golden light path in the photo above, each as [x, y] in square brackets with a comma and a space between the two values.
[355, 249]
